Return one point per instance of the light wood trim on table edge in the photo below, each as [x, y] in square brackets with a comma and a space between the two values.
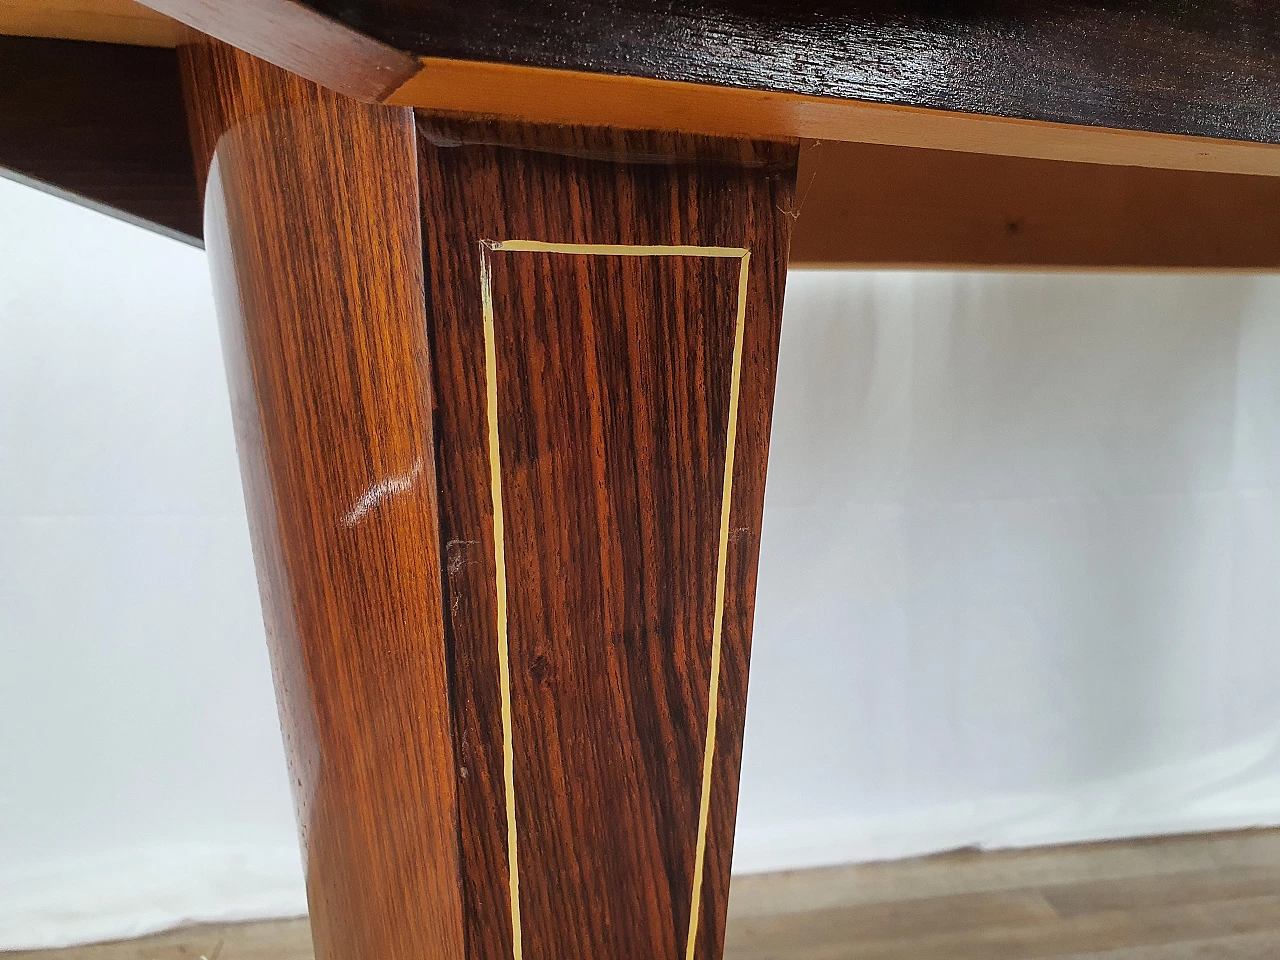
[293, 36]
[290, 35]
[101, 21]
[285, 33]
[541, 95]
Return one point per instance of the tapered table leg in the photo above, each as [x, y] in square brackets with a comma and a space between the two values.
[502, 397]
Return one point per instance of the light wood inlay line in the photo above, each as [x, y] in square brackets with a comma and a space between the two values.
[500, 566]
[618, 250]
[487, 247]
[726, 502]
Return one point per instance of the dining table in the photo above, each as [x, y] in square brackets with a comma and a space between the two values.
[500, 288]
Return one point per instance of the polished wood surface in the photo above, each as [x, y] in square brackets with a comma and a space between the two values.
[866, 205]
[103, 125]
[314, 242]
[1184, 87]
[542, 95]
[503, 394]
[1189, 86]
[607, 534]
[1207, 68]
[606, 405]
[102, 21]
[1180, 898]
[291, 35]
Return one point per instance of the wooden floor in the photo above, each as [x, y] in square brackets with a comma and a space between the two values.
[1192, 898]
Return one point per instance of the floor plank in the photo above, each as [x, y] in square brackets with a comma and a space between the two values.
[1087, 934]
[1212, 897]
[269, 940]
[969, 871]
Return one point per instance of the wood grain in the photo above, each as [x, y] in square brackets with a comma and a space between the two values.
[291, 35]
[1138, 863]
[542, 95]
[1164, 899]
[102, 125]
[101, 21]
[620, 385]
[288, 939]
[610, 382]
[314, 241]
[866, 205]
[1212, 897]
[1089, 934]
[1181, 86]
[1209, 68]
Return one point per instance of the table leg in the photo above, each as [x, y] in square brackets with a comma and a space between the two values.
[502, 398]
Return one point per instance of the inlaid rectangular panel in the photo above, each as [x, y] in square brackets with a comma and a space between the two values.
[614, 413]
[605, 312]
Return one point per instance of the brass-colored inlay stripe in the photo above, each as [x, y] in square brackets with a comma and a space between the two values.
[617, 249]
[717, 625]
[500, 569]
[726, 503]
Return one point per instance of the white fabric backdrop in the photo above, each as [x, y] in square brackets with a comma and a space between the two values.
[1020, 580]
[1018, 584]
